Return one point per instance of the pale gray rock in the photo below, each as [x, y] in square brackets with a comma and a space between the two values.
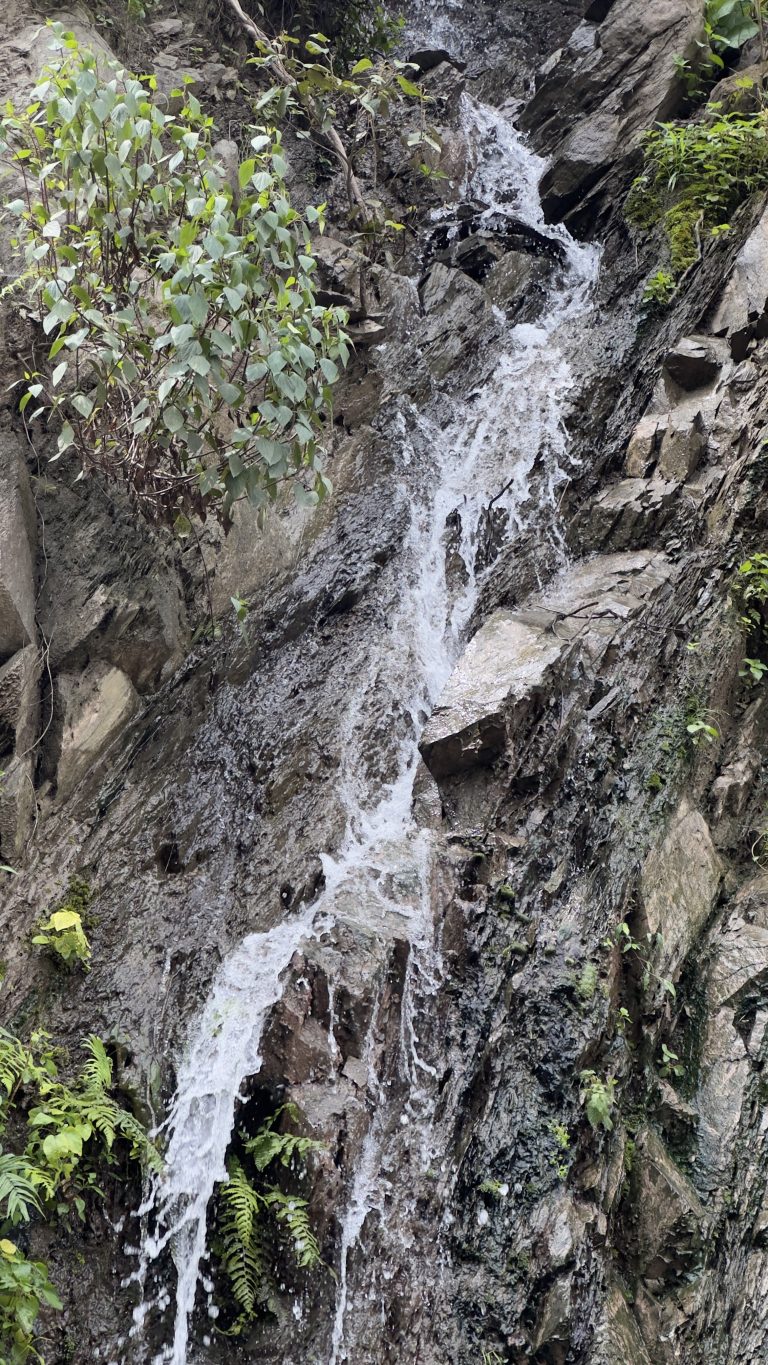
[17, 551]
[679, 884]
[91, 711]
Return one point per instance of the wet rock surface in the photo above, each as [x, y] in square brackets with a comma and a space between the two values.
[562, 794]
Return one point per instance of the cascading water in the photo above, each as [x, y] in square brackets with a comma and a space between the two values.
[453, 458]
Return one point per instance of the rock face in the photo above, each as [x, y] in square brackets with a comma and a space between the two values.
[529, 1019]
[740, 311]
[679, 884]
[614, 78]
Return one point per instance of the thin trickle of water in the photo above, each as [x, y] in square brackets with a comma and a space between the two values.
[453, 460]
[224, 1051]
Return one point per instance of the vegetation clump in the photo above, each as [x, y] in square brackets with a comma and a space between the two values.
[728, 25]
[63, 933]
[694, 177]
[749, 592]
[598, 1097]
[257, 1222]
[56, 1136]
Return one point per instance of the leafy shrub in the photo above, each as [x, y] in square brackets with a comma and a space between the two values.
[695, 175]
[753, 669]
[256, 1220]
[313, 89]
[24, 1288]
[728, 24]
[352, 26]
[62, 1134]
[731, 23]
[193, 362]
[749, 592]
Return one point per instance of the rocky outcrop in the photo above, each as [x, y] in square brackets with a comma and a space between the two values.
[614, 78]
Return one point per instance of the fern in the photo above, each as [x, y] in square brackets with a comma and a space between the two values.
[257, 1221]
[97, 1071]
[241, 1242]
[18, 1189]
[292, 1213]
[267, 1145]
[17, 1063]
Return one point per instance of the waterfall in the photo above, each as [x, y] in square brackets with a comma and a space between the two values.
[452, 457]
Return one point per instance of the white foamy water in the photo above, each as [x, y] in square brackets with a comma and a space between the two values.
[453, 459]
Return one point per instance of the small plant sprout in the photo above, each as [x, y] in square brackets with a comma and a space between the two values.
[598, 1097]
[701, 730]
[64, 935]
[753, 669]
[698, 723]
[669, 1063]
[624, 939]
[660, 289]
[241, 607]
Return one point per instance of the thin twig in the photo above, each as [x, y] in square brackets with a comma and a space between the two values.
[284, 76]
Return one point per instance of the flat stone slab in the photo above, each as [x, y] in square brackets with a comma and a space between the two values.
[504, 664]
[506, 668]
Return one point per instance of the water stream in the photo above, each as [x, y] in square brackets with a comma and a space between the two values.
[452, 458]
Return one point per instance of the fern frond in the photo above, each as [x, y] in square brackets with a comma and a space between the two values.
[241, 1243]
[18, 1188]
[142, 1146]
[267, 1145]
[97, 1070]
[293, 1214]
[17, 1063]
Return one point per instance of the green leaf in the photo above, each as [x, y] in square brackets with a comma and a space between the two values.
[181, 334]
[408, 87]
[245, 171]
[82, 404]
[230, 393]
[365, 64]
[66, 438]
[173, 419]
